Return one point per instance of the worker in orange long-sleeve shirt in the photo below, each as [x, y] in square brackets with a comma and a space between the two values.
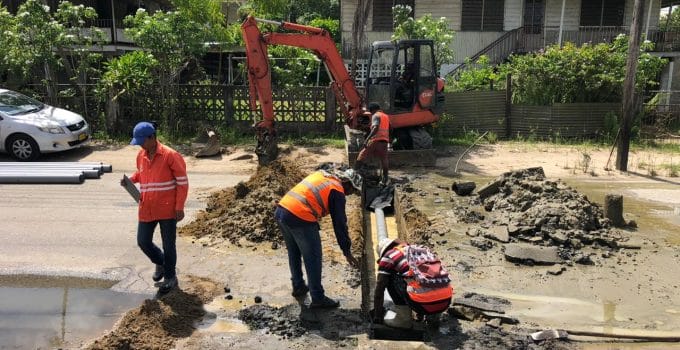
[162, 175]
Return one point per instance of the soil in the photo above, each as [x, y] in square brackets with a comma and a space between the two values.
[237, 225]
[158, 323]
[245, 211]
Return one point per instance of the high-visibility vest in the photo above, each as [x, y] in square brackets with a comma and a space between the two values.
[308, 200]
[163, 183]
[431, 299]
[383, 133]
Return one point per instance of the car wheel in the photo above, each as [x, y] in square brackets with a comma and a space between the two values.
[23, 148]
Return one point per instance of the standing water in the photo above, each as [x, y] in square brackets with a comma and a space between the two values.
[58, 312]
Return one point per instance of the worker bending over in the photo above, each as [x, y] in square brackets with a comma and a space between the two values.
[298, 213]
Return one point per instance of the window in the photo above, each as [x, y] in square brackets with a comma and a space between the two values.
[483, 15]
[382, 13]
[533, 16]
[602, 13]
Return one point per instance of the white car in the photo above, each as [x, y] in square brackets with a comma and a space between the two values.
[29, 127]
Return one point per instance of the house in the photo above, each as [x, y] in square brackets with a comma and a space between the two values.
[498, 28]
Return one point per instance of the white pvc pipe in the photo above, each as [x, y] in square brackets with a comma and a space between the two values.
[649, 13]
[62, 178]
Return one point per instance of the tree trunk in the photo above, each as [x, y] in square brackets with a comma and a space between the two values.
[629, 87]
[358, 36]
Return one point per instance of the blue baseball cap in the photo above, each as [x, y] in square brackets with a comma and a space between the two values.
[141, 132]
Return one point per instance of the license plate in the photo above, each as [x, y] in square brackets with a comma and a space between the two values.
[82, 137]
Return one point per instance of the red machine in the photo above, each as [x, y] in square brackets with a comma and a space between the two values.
[401, 77]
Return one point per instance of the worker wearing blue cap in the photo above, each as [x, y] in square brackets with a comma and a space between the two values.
[162, 175]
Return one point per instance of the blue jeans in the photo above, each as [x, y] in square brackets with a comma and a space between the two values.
[166, 257]
[304, 243]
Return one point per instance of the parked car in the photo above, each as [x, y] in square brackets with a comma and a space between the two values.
[29, 128]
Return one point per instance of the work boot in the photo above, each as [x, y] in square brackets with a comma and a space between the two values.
[325, 303]
[158, 274]
[300, 291]
[168, 285]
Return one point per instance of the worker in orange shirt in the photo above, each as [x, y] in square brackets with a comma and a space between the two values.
[162, 175]
[376, 142]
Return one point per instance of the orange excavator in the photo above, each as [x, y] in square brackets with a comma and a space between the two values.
[401, 77]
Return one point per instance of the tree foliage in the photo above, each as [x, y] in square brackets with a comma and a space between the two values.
[571, 74]
[298, 11]
[425, 27]
[672, 22]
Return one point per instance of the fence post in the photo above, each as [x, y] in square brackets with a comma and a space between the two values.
[331, 109]
[508, 105]
[228, 95]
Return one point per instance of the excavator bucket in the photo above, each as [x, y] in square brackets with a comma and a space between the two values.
[212, 147]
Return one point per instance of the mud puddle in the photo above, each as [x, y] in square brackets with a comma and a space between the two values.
[45, 312]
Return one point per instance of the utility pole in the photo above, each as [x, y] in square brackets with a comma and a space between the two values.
[629, 98]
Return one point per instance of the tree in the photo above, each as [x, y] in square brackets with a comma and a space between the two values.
[670, 22]
[174, 39]
[425, 27]
[39, 40]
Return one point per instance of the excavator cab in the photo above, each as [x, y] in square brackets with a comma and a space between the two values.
[402, 78]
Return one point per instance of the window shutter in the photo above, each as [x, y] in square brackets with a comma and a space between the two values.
[493, 15]
[613, 13]
[471, 15]
[382, 15]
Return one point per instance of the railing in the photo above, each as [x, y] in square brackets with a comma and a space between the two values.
[497, 51]
[661, 118]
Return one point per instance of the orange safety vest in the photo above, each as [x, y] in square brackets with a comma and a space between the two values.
[432, 300]
[383, 133]
[163, 183]
[308, 200]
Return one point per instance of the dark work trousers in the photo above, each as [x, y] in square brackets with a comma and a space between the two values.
[166, 257]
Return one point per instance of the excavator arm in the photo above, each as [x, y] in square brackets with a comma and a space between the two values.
[314, 39]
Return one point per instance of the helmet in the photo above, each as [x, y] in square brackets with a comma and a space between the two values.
[342, 172]
[383, 244]
[350, 176]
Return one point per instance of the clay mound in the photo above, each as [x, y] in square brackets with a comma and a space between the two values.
[246, 211]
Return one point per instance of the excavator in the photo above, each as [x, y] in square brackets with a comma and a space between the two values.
[401, 77]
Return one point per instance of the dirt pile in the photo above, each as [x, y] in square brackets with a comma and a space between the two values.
[279, 321]
[523, 206]
[158, 323]
[245, 211]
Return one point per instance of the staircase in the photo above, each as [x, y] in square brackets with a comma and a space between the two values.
[499, 50]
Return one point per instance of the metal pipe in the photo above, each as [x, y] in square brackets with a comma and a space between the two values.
[41, 178]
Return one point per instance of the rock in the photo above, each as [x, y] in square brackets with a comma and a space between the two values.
[629, 244]
[499, 233]
[463, 188]
[258, 299]
[481, 243]
[489, 190]
[438, 200]
[227, 290]
[482, 302]
[464, 312]
[243, 157]
[613, 209]
[527, 253]
[229, 297]
[494, 322]
[556, 270]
